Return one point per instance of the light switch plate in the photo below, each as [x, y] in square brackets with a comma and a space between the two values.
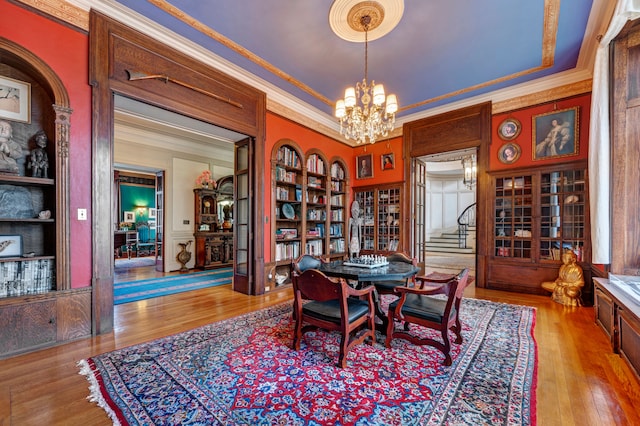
[82, 214]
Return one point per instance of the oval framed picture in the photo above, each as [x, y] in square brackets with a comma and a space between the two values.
[509, 129]
[509, 153]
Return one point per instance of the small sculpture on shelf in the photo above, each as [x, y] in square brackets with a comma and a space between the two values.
[10, 150]
[39, 161]
[567, 288]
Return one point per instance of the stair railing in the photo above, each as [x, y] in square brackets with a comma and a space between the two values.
[466, 219]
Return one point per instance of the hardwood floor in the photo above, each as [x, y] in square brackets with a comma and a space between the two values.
[580, 381]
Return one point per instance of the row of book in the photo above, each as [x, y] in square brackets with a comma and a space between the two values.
[289, 157]
[337, 246]
[284, 175]
[337, 171]
[314, 248]
[287, 250]
[315, 164]
[27, 277]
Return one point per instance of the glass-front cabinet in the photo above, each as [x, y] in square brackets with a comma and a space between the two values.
[537, 214]
[562, 213]
[513, 216]
[381, 213]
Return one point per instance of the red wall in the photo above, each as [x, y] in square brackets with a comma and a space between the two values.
[67, 52]
[525, 139]
[378, 150]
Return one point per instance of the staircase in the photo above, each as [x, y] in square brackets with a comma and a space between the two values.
[449, 242]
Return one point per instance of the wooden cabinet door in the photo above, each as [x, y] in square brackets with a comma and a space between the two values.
[27, 326]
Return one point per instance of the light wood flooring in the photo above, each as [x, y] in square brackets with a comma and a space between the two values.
[580, 381]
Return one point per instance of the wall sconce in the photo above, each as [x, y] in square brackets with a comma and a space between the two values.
[141, 210]
[470, 170]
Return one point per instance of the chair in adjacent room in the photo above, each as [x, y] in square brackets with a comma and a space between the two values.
[323, 303]
[131, 241]
[417, 305]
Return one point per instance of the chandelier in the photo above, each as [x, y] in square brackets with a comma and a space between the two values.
[470, 171]
[369, 120]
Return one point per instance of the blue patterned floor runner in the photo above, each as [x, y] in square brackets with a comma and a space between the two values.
[146, 289]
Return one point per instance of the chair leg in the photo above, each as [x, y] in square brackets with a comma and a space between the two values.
[447, 347]
[297, 334]
[390, 327]
[344, 348]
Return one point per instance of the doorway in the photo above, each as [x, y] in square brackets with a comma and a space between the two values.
[155, 149]
[450, 211]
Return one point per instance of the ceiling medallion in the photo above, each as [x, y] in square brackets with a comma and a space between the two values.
[345, 18]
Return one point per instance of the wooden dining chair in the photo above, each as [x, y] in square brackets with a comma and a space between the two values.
[388, 287]
[417, 305]
[304, 262]
[323, 303]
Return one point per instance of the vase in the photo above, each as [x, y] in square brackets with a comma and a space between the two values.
[184, 256]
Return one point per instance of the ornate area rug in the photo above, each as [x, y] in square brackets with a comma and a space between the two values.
[242, 371]
[132, 291]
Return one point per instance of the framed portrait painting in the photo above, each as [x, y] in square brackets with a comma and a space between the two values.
[509, 129]
[509, 153]
[15, 100]
[555, 134]
[364, 166]
[129, 216]
[387, 162]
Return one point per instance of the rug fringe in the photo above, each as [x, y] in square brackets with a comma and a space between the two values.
[94, 389]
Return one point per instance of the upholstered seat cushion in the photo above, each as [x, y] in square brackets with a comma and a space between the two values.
[308, 262]
[330, 310]
[425, 307]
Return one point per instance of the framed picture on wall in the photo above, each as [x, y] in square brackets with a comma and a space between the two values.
[555, 134]
[152, 213]
[509, 129]
[509, 153]
[129, 217]
[388, 161]
[15, 100]
[364, 166]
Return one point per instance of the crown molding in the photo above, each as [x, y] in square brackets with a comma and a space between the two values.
[561, 85]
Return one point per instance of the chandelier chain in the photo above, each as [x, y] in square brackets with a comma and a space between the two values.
[368, 120]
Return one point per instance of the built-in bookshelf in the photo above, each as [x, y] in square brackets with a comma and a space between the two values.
[310, 195]
[337, 213]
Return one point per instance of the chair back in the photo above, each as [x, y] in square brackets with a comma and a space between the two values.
[314, 285]
[143, 233]
[400, 257]
[304, 262]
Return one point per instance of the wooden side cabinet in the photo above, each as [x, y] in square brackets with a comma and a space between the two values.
[619, 317]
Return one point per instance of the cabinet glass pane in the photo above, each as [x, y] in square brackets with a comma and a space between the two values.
[562, 213]
[367, 230]
[513, 217]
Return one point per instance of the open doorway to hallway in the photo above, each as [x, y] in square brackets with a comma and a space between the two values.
[450, 213]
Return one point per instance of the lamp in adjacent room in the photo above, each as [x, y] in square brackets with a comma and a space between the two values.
[470, 171]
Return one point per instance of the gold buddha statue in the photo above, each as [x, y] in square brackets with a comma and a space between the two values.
[566, 289]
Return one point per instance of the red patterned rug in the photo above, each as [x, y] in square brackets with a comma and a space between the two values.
[242, 371]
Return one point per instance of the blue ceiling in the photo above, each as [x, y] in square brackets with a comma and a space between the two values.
[440, 52]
